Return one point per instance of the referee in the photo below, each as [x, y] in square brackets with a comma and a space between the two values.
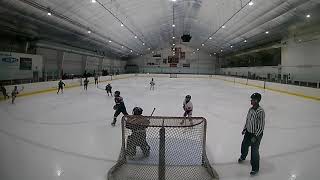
[253, 132]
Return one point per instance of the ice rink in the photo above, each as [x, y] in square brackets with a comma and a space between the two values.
[69, 136]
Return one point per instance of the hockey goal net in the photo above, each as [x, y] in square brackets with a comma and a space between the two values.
[173, 75]
[163, 148]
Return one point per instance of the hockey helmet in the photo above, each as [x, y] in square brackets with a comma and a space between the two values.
[117, 93]
[256, 96]
[137, 111]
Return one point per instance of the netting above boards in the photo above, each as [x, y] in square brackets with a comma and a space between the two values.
[163, 148]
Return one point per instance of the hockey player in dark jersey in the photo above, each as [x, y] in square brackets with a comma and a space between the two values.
[14, 93]
[96, 79]
[85, 84]
[60, 86]
[138, 125]
[152, 83]
[108, 89]
[119, 107]
[4, 92]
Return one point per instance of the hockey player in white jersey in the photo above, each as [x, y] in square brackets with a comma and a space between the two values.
[188, 108]
[152, 83]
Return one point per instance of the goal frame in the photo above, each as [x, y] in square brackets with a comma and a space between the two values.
[171, 122]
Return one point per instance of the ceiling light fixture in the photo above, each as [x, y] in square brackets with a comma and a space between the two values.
[308, 15]
[223, 26]
[173, 44]
[131, 51]
[135, 37]
[245, 41]
[267, 32]
[149, 48]
[231, 46]
[202, 44]
[143, 43]
[89, 32]
[110, 41]
[173, 25]
[173, 37]
[198, 49]
[210, 38]
[122, 47]
[214, 53]
[49, 14]
[250, 3]
[121, 25]
[93, 1]
[221, 50]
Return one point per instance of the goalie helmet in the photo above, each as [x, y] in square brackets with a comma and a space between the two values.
[137, 111]
[188, 97]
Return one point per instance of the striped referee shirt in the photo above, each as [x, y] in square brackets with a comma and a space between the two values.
[255, 121]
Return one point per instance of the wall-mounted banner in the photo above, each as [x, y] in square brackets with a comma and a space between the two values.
[25, 63]
[8, 62]
[20, 66]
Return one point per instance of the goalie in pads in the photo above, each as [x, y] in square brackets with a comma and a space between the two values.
[188, 108]
[152, 83]
[138, 125]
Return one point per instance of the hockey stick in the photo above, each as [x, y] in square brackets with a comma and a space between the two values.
[153, 111]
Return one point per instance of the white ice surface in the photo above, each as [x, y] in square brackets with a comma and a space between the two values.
[47, 135]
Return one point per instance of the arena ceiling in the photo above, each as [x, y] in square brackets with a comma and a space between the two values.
[129, 28]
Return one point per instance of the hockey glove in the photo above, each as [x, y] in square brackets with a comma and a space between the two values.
[243, 132]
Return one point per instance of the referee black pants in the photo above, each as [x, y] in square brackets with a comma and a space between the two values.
[255, 157]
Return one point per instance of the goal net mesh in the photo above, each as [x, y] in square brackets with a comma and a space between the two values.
[163, 148]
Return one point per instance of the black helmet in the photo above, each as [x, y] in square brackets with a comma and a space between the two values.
[117, 93]
[256, 96]
[188, 97]
[137, 111]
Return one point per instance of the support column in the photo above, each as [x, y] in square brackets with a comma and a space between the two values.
[83, 64]
[100, 65]
[112, 70]
[60, 58]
